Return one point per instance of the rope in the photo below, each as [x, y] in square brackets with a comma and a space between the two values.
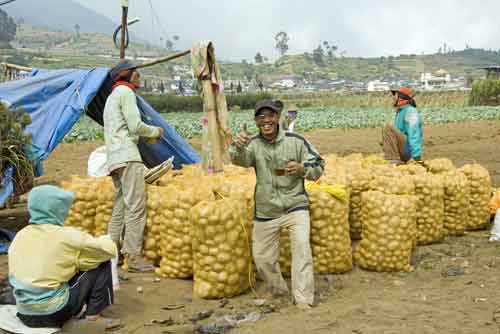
[115, 36]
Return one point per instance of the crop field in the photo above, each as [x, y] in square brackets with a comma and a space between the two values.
[187, 124]
[444, 99]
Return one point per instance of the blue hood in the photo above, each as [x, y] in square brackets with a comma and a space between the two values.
[49, 205]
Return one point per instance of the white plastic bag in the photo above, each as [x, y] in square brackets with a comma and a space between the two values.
[495, 230]
[114, 274]
[97, 163]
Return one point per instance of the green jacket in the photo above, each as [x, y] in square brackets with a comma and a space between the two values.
[123, 127]
[275, 196]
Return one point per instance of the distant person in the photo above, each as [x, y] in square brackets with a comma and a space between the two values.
[281, 161]
[290, 117]
[122, 129]
[403, 141]
[58, 273]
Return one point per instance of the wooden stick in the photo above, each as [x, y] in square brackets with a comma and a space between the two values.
[17, 67]
[123, 31]
[164, 59]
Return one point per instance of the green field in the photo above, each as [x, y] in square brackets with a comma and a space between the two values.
[188, 125]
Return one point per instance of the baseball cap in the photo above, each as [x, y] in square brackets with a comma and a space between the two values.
[274, 105]
[404, 92]
[123, 65]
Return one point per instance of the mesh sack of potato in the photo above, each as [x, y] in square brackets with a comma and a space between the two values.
[456, 204]
[155, 223]
[330, 238]
[83, 211]
[389, 231]
[359, 179]
[105, 203]
[440, 165]
[373, 160]
[411, 169]
[238, 186]
[395, 184]
[221, 248]
[176, 231]
[429, 190]
[479, 196]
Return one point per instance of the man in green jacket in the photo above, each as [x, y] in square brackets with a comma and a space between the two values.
[282, 161]
[122, 129]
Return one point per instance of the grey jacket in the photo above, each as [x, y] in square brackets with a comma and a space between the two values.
[276, 196]
[123, 127]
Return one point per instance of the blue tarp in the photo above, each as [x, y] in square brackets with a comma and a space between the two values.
[56, 99]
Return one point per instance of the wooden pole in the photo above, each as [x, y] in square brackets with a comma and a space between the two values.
[17, 67]
[164, 59]
[124, 28]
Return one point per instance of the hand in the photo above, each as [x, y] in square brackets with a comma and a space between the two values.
[242, 139]
[294, 168]
[162, 132]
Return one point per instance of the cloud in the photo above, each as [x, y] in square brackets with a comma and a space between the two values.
[362, 27]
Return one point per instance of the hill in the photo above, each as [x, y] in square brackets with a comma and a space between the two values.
[49, 48]
[466, 63]
[60, 15]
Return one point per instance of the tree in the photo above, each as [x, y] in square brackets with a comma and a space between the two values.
[258, 58]
[176, 38]
[77, 30]
[161, 87]
[318, 55]
[281, 40]
[7, 27]
[169, 45]
[331, 50]
[239, 89]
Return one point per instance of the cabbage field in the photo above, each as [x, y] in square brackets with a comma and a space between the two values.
[188, 123]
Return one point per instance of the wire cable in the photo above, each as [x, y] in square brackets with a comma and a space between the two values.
[6, 2]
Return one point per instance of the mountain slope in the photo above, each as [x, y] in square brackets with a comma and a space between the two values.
[60, 14]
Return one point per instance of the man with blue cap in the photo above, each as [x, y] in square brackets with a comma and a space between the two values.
[123, 128]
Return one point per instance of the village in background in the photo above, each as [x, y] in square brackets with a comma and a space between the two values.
[326, 68]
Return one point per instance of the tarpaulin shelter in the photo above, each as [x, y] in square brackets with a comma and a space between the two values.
[56, 99]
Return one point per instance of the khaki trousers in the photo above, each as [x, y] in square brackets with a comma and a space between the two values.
[393, 144]
[266, 250]
[129, 211]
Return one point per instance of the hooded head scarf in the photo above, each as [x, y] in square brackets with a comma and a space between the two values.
[49, 205]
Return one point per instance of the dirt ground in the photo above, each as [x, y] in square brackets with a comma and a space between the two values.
[427, 300]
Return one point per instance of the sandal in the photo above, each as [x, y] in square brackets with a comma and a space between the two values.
[138, 264]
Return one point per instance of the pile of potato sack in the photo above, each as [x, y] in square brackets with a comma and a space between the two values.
[200, 225]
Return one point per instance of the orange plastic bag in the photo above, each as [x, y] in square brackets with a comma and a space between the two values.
[495, 202]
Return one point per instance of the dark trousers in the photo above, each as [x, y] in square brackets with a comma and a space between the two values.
[93, 288]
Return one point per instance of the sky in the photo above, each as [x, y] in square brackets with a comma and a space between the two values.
[364, 28]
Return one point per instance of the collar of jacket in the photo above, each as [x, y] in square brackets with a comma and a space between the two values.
[124, 83]
[398, 109]
[279, 137]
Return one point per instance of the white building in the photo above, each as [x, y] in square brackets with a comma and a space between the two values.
[435, 81]
[378, 86]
